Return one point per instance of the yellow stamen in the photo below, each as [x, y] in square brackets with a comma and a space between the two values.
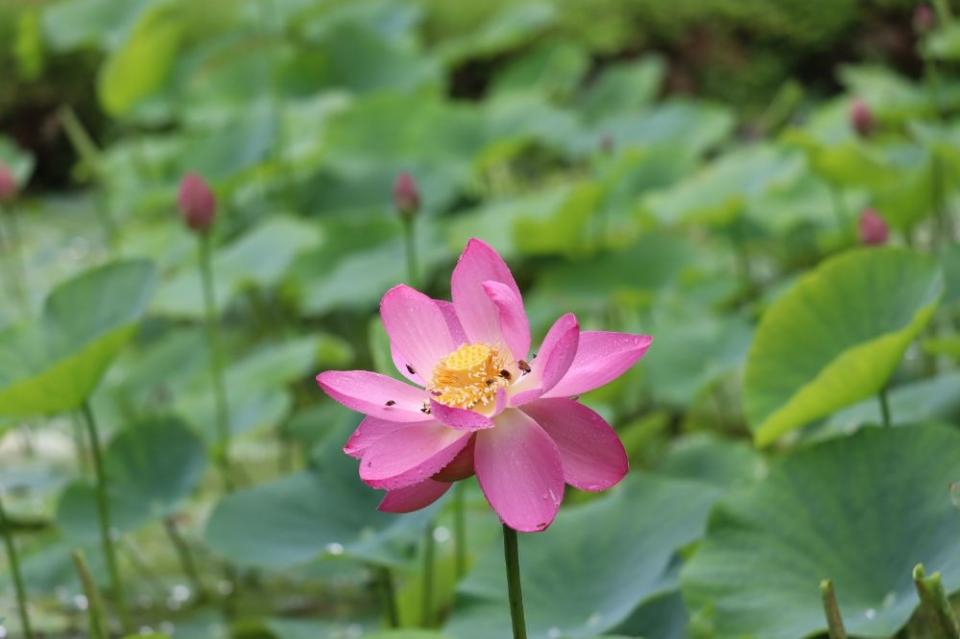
[470, 376]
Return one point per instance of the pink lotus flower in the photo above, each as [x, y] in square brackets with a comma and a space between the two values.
[478, 405]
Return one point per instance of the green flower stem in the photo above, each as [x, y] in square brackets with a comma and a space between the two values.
[934, 598]
[103, 510]
[839, 208]
[14, 562]
[80, 443]
[388, 596]
[216, 360]
[884, 406]
[943, 11]
[86, 148]
[941, 209]
[410, 248]
[426, 600]
[511, 557]
[459, 530]
[14, 263]
[832, 611]
[97, 620]
[185, 556]
[81, 141]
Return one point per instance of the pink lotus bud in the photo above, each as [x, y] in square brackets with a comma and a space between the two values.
[8, 184]
[861, 118]
[406, 195]
[198, 205]
[872, 228]
[924, 20]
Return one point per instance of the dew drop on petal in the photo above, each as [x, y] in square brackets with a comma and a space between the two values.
[553, 633]
[441, 534]
[889, 599]
[335, 549]
[595, 619]
[870, 613]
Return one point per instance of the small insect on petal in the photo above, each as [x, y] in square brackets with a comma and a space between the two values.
[410, 370]
[390, 402]
[504, 373]
[523, 366]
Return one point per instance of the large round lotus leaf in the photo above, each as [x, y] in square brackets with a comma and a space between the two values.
[836, 336]
[303, 516]
[861, 510]
[54, 365]
[152, 467]
[593, 567]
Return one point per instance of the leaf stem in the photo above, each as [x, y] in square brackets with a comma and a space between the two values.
[832, 611]
[185, 556]
[84, 146]
[942, 8]
[15, 265]
[511, 557]
[459, 530]
[884, 407]
[934, 598]
[214, 345]
[388, 596]
[98, 629]
[14, 561]
[839, 208]
[410, 248]
[426, 601]
[103, 510]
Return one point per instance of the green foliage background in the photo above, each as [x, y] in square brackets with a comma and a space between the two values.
[685, 168]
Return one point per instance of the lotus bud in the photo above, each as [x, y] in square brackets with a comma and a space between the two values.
[8, 184]
[872, 228]
[406, 196]
[861, 118]
[197, 203]
[924, 20]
